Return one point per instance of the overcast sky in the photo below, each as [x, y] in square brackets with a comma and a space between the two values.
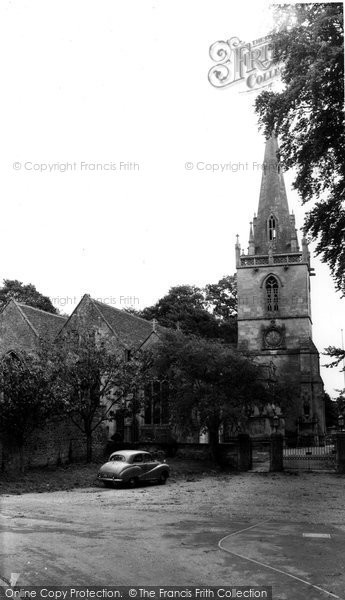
[89, 82]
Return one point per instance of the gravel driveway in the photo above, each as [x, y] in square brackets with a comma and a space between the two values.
[160, 535]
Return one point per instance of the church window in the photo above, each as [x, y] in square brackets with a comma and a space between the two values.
[272, 294]
[272, 229]
[156, 403]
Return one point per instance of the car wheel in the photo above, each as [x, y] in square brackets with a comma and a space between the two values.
[107, 484]
[132, 482]
[163, 478]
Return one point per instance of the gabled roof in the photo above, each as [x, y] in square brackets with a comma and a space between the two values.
[132, 331]
[45, 324]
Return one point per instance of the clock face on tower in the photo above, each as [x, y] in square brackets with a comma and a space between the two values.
[273, 338]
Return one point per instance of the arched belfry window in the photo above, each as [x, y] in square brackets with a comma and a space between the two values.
[272, 228]
[272, 294]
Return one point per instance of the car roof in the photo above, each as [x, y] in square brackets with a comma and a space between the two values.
[128, 453]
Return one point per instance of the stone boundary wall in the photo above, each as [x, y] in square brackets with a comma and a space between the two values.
[58, 442]
[228, 452]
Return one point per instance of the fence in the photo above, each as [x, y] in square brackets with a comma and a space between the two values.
[319, 456]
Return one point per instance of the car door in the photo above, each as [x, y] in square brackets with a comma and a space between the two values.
[138, 461]
[149, 464]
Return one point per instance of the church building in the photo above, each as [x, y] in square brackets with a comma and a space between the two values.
[274, 313]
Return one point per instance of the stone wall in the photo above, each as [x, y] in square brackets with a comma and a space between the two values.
[294, 293]
[228, 452]
[58, 442]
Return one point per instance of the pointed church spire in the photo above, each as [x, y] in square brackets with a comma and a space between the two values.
[273, 226]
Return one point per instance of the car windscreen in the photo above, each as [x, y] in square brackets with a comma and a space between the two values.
[118, 458]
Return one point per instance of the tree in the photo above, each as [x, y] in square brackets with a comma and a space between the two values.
[308, 116]
[221, 297]
[331, 411]
[96, 378]
[210, 385]
[28, 398]
[209, 312]
[27, 294]
[338, 356]
[183, 306]
[221, 300]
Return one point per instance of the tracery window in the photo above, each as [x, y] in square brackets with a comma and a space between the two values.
[272, 294]
[156, 403]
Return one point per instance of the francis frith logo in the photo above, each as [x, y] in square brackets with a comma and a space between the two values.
[249, 63]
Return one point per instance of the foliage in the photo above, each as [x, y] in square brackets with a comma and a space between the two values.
[209, 312]
[331, 411]
[210, 384]
[28, 397]
[340, 401]
[221, 297]
[27, 294]
[338, 354]
[308, 116]
[96, 378]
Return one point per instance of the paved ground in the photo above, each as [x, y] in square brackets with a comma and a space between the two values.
[169, 535]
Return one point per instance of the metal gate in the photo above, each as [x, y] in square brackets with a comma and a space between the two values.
[317, 457]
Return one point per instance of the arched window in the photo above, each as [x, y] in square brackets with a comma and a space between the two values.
[272, 294]
[272, 229]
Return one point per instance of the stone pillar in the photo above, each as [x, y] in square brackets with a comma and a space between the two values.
[276, 454]
[340, 449]
[244, 452]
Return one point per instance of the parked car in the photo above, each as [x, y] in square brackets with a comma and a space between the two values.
[131, 467]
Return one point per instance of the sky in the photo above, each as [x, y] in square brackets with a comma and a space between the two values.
[124, 85]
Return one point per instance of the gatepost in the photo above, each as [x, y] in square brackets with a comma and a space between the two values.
[276, 454]
[340, 450]
[244, 452]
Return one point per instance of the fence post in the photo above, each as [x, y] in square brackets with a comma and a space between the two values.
[244, 452]
[340, 450]
[276, 453]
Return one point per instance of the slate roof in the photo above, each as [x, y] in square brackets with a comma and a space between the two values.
[132, 331]
[45, 324]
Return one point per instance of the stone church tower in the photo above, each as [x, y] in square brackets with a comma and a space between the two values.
[274, 313]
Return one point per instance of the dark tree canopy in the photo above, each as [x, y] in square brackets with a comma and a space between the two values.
[95, 378]
[27, 294]
[210, 384]
[221, 297]
[308, 116]
[29, 396]
[331, 411]
[208, 312]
